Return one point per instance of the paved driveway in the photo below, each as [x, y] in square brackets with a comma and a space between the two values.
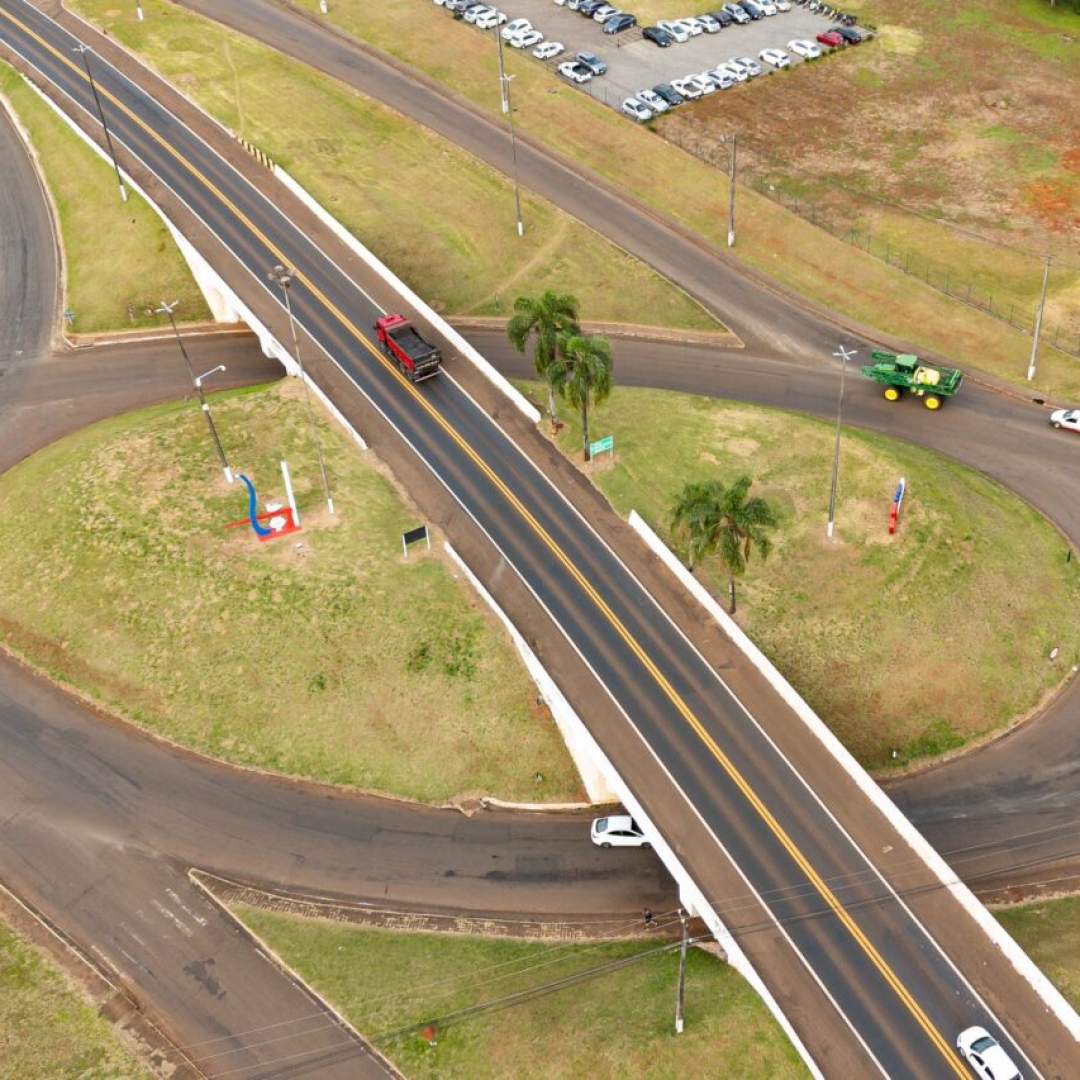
[634, 63]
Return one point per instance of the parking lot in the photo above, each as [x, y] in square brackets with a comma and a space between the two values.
[634, 63]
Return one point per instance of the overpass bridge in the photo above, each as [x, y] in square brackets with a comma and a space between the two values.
[869, 951]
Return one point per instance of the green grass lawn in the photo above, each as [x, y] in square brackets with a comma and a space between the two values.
[334, 657]
[615, 1023]
[48, 1028]
[1049, 932]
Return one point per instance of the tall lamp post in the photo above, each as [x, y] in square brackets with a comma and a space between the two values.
[85, 50]
[1038, 321]
[282, 277]
[168, 309]
[733, 141]
[504, 90]
[846, 355]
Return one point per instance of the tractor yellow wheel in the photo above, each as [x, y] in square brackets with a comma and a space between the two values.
[892, 393]
[933, 402]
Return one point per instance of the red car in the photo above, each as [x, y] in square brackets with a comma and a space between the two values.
[830, 38]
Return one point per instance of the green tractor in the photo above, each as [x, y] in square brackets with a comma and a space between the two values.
[902, 371]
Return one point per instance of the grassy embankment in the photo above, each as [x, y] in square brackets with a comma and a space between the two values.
[616, 1023]
[48, 1028]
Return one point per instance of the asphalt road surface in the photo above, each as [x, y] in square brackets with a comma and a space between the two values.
[259, 255]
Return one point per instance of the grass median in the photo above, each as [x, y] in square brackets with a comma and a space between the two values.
[613, 1017]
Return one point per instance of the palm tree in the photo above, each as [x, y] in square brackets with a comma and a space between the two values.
[581, 374]
[720, 521]
[549, 317]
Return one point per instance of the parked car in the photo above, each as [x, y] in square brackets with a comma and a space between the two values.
[588, 7]
[711, 83]
[767, 7]
[592, 62]
[707, 23]
[702, 82]
[806, 49]
[653, 100]
[636, 110]
[604, 12]
[1069, 419]
[688, 88]
[527, 39]
[748, 64]
[474, 13]
[618, 23]
[618, 831]
[849, 34]
[735, 70]
[691, 26]
[830, 38]
[737, 13]
[723, 77]
[658, 36]
[575, 72]
[752, 8]
[976, 1045]
[489, 20]
[669, 94]
[548, 50]
[516, 27]
[777, 57]
[724, 18]
[782, 5]
[675, 29]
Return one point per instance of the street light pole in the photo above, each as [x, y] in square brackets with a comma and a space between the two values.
[168, 309]
[733, 140]
[1038, 321]
[846, 354]
[504, 88]
[84, 50]
[280, 276]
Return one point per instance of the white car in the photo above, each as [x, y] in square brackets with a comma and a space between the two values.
[653, 100]
[767, 7]
[689, 90]
[526, 39]
[808, 50]
[705, 82]
[782, 5]
[575, 72]
[490, 20]
[735, 70]
[777, 57]
[675, 29]
[636, 110]
[691, 26]
[982, 1052]
[1069, 419]
[548, 50]
[518, 26]
[475, 13]
[618, 831]
[707, 23]
[604, 12]
[723, 78]
[750, 66]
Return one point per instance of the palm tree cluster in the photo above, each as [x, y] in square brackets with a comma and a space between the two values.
[714, 520]
[576, 366]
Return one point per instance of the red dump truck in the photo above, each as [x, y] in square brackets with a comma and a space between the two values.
[416, 357]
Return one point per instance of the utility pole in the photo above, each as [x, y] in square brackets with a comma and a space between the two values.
[1038, 320]
[733, 139]
[847, 354]
[682, 976]
[504, 89]
[85, 50]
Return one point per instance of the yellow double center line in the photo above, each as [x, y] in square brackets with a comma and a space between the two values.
[680, 705]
